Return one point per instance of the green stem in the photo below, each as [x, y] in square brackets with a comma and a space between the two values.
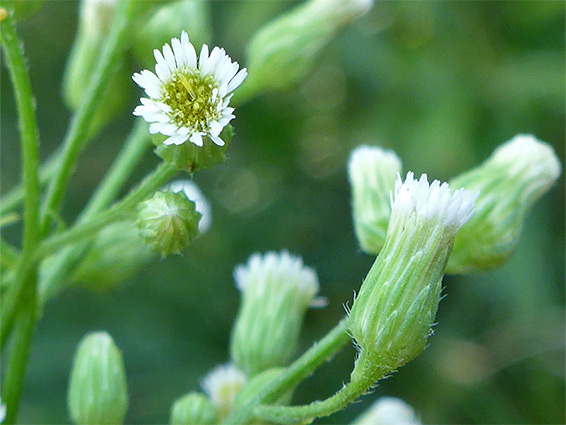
[305, 365]
[20, 349]
[9, 256]
[84, 230]
[74, 139]
[135, 146]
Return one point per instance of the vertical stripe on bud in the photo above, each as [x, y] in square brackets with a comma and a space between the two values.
[98, 392]
[516, 175]
[168, 222]
[276, 291]
[392, 316]
[193, 409]
[388, 411]
[222, 385]
[372, 172]
[285, 50]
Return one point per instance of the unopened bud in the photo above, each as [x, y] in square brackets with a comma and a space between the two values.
[277, 290]
[222, 385]
[372, 173]
[510, 181]
[116, 255]
[202, 206]
[285, 50]
[388, 411]
[392, 316]
[193, 409]
[168, 222]
[98, 392]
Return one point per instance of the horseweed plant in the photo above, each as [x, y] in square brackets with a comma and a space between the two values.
[418, 230]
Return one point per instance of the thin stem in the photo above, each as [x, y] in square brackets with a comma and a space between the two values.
[79, 128]
[135, 146]
[84, 230]
[305, 365]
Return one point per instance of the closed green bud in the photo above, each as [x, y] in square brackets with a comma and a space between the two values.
[168, 22]
[98, 392]
[393, 314]
[95, 17]
[276, 291]
[193, 409]
[285, 50]
[168, 222]
[516, 175]
[388, 411]
[257, 385]
[372, 173]
[222, 385]
[116, 255]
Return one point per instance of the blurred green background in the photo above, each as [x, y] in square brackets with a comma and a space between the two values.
[442, 83]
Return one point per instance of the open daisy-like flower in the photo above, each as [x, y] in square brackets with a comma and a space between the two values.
[186, 101]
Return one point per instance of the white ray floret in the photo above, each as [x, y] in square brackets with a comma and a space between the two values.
[188, 98]
[434, 201]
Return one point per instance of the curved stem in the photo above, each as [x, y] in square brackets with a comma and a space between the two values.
[81, 231]
[79, 128]
[305, 365]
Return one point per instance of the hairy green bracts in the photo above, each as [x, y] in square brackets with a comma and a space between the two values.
[392, 316]
[516, 175]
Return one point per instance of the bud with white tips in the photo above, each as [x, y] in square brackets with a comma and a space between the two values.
[222, 385]
[393, 314]
[168, 222]
[388, 411]
[372, 172]
[516, 175]
[98, 392]
[285, 50]
[193, 409]
[202, 206]
[277, 289]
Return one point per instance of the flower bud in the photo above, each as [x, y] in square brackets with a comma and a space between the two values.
[222, 385]
[258, 384]
[116, 255]
[168, 222]
[516, 175]
[372, 173]
[392, 316]
[193, 193]
[167, 22]
[285, 50]
[276, 291]
[193, 409]
[388, 411]
[95, 17]
[98, 392]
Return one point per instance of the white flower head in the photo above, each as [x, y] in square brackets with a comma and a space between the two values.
[222, 384]
[434, 201]
[278, 269]
[389, 411]
[202, 206]
[189, 101]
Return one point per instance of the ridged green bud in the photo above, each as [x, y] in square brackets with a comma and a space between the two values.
[276, 291]
[392, 316]
[516, 175]
[193, 409]
[255, 386]
[222, 385]
[168, 222]
[168, 22]
[98, 392]
[202, 206]
[116, 255]
[372, 172]
[285, 50]
[388, 411]
[95, 17]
